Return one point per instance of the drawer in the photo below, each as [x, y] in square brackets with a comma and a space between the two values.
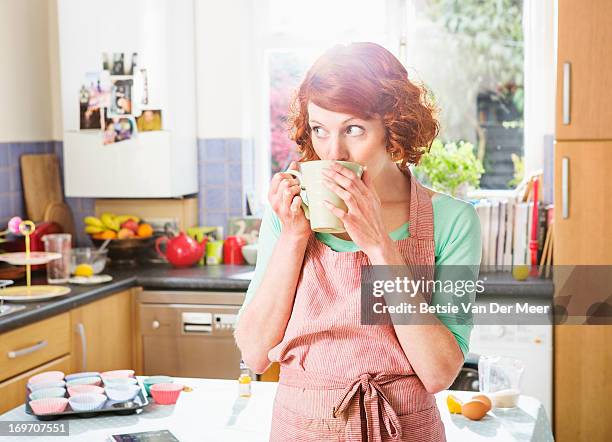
[13, 391]
[33, 345]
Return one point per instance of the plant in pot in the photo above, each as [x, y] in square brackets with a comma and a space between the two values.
[450, 168]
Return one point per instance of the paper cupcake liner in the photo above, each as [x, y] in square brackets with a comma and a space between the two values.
[52, 405]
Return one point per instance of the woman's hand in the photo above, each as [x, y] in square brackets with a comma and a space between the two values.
[363, 220]
[284, 197]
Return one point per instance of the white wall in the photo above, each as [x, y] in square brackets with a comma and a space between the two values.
[29, 78]
[223, 50]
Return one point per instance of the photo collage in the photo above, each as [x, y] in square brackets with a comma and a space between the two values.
[115, 100]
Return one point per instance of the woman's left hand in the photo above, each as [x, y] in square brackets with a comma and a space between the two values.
[363, 219]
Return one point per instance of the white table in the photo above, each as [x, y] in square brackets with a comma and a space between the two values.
[213, 411]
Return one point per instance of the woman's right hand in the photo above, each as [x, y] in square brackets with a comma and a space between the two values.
[284, 197]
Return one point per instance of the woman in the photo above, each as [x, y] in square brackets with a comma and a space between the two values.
[341, 380]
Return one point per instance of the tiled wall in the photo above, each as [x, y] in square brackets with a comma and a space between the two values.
[11, 193]
[222, 164]
[225, 169]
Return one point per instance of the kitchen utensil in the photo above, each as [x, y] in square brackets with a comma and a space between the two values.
[40, 175]
[314, 193]
[181, 250]
[122, 393]
[46, 376]
[249, 252]
[116, 374]
[166, 394]
[48, 392]
[90, 280]
[60, 213]
[104, 245]
[19, 258]
[111, 382]
[45, 384]
[58, 270]
[51, 405]
[232, 250]
[83, 374]
[152, 380]
[90, 380]
[90, 256]
[80, 389]
[500, 377]
[33, 293]
[87, 402]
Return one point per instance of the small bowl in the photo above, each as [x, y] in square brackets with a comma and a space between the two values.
[47, 392]
[82, 389]
[45, 384]
[88, 255]
[111, 382]
[166, 394]
[87, 402]
[91, 380]
[49, 405]
[46, 376]
[249, 252]
[84, 374]
[152, 380]
[122, 393]
[117, 374]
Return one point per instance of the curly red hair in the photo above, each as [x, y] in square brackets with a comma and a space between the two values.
[367, 81]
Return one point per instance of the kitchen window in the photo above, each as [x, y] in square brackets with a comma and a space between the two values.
[470, 55]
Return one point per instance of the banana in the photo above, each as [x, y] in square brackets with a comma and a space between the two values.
[93, 221]
[110, 221]
[93, 229]
[123, 218]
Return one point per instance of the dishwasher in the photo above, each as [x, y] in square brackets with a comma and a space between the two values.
[190, 333]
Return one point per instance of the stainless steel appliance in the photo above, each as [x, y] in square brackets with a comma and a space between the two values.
[190, 333]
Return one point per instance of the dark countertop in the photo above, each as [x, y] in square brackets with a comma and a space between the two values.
[207, 278]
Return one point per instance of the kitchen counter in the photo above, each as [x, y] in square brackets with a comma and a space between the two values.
[213, 411]
[221, 277]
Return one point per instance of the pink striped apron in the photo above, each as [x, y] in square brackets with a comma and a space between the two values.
[341, 380]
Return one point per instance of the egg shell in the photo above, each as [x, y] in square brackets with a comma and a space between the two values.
[485, 399]
[474, 409]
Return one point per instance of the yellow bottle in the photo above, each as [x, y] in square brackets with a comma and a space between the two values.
[244, 385]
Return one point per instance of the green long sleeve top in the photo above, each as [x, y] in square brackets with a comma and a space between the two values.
[457, 243]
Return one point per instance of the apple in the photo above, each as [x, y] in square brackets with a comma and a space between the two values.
[125, 233]
[131, 225]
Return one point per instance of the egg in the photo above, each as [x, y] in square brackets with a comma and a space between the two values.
[485, 399]
[474, 409]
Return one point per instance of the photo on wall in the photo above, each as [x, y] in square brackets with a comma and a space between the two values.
[94, 95]
[117, 129]
[149, 120]
[119, 63]
[121, 96]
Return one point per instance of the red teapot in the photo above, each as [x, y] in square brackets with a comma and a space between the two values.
[181, 250]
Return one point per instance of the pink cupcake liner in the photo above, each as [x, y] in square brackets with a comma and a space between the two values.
[50, 405]
[166, 394]
[81, 389]
[46, 376]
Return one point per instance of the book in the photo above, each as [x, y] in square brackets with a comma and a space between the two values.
[493, 233]
[483, 209]
[501, 236]
[509, 233]
[519, 244]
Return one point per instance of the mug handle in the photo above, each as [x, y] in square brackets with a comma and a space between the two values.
[298, 175]
[158, 242]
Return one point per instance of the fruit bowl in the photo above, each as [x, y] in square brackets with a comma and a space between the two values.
[89, 256]
[125, 249]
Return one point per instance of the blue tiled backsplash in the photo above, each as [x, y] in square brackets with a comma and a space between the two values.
[220, 171]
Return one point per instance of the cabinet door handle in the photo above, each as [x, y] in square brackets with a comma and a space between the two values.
[567, 78]
[13, 354]
[81, 331]
[565, 187]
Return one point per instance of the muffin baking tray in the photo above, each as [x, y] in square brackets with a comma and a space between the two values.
[138, 402]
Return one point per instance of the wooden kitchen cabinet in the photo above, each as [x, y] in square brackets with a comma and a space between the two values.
[584, 70]
[13, 390]
[583, 234]
[103, 334]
